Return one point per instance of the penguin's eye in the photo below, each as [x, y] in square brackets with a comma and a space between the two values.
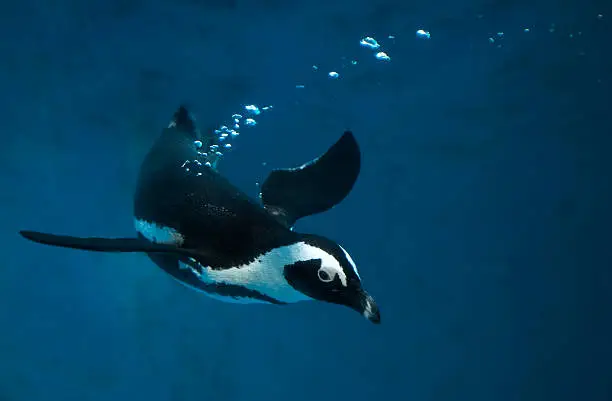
[325, 275]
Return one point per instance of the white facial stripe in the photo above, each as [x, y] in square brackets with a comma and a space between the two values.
[266, 273]
[307, 252]
[158, 234]
[351, 261]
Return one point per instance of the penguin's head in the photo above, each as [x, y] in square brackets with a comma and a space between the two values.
[324, 271]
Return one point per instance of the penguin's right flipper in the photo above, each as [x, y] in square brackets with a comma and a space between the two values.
[105, 244]
[316, 186]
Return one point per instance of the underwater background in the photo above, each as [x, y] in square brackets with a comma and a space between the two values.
[480, 221]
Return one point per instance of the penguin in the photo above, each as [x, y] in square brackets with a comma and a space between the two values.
[213, 238]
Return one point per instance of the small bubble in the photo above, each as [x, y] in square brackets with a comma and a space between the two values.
[491, 40]
[199, 174]
[252, 109]
[208, 164]
[236, 116]
[228, 145]
[234, 133]
[333, 75]
[219, 154]
[423, 34]
[599, 16]
[391, 36]
[314, 67]
[236, 126]
[526, 30]
[250, 122]
[383, 56]
[267, 107]
[369, 43]
[198, 144]
[300, 86]
[500, 34]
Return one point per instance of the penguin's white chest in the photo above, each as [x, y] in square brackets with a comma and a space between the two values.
[264, 275]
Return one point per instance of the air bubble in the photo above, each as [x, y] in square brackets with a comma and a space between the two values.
[369, 43]
[250, 122]
[253, 109]
[423, 34]
[333, 75]
[383, 56]
[198, 144]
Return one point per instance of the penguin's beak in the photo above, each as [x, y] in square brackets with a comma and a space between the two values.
[365, 304]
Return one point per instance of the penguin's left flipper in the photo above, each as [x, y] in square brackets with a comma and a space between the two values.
[316, 186]
[106, 244]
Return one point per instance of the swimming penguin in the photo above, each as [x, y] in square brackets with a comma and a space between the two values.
[203, 231]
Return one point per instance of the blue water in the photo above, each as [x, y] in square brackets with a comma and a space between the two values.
[480, 221]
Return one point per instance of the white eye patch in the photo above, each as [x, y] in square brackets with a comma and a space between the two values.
[330, 267]
[327, 274]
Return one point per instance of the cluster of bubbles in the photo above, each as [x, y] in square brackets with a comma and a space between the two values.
[211, 147]
[497, 39]
[371, 43]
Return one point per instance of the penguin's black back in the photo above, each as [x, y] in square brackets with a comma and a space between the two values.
[211, 214]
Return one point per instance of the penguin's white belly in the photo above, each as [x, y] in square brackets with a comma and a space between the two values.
[218, 297]
[264, 275]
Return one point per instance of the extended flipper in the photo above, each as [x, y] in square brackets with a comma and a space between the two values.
[106, 244]
[316, 186]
